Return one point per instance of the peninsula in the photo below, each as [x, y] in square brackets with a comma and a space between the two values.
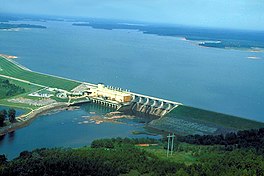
[43, 92]
[7, 26]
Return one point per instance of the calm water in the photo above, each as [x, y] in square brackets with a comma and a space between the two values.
[215, 79]
[66, 129]
[221, 80]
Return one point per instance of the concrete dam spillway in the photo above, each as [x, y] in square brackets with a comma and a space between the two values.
[128, 102]
[149, 106]
[164, 114]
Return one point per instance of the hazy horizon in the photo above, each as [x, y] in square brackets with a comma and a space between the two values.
[241, 15]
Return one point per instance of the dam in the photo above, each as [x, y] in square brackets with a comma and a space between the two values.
[164, 114]
[47, 92]
[151, 105]
[124, 100]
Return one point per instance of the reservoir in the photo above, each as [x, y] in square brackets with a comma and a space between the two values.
[222, 80]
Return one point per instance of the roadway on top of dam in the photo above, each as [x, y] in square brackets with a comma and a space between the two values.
[155, 98]
[141, 95]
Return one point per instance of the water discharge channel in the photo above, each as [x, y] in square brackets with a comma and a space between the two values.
[71, 128]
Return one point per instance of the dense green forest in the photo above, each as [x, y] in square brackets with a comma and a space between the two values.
[249, 139]
[124, 157]
[8, 89]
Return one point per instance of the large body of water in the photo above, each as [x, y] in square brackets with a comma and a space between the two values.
[73, 128]
[221, 80]
[216, 79]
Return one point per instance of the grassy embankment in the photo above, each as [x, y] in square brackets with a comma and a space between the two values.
[19, 82]
[10, 69]
[31, 82]
[189, 120]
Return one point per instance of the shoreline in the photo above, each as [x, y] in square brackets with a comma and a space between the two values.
[8, 56]
[29, 117]
[26, 119]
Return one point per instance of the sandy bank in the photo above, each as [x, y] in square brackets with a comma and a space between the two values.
[8, 56]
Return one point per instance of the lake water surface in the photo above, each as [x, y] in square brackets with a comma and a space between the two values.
[221, 80]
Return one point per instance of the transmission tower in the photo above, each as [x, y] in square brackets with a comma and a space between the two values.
[170, 144]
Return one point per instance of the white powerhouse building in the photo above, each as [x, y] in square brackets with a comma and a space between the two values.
[110, 94]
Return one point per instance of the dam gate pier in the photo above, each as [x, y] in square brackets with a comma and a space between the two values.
[125, 101]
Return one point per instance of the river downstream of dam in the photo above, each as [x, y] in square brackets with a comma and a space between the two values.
[71, 128]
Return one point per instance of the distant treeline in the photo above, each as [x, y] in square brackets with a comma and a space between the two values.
[8, 89]
[253, 138]
[228, 38]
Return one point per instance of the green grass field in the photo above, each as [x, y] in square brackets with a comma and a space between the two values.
[184, 153]
[8, 68]
[28, 88]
